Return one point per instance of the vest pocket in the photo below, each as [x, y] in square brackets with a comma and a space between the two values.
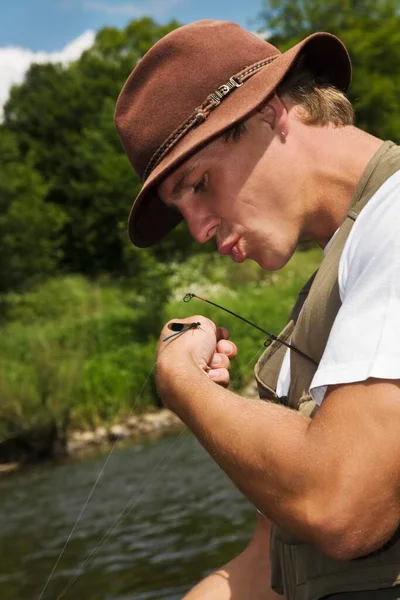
[307, 406]
[269, 365]
[324, 574]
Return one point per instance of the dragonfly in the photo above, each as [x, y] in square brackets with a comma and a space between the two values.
[180, 328]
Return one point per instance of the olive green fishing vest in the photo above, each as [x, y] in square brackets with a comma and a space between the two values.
[299, 570]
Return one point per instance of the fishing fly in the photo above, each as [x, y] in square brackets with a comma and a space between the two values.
[271, 336]
[180, 328]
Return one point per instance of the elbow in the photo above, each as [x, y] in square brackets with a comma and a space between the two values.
[349, 532]
[341, 545]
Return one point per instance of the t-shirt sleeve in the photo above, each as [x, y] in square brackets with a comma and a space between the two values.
[365, 338]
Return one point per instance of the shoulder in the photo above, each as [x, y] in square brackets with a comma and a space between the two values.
[363, 341]
[374, 241]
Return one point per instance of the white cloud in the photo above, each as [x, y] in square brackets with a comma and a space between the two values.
[14, 61]
[153, 8]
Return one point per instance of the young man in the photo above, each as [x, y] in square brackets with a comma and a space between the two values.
[257, 149]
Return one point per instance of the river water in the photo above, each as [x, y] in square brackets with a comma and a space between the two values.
[161, 517]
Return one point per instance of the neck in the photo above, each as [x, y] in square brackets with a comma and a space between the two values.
[339, 158]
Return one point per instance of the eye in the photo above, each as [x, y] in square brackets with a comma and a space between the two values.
[201, 184]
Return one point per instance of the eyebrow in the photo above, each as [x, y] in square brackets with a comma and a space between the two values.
[181, 180]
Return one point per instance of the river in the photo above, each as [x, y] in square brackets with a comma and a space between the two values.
[182, 518]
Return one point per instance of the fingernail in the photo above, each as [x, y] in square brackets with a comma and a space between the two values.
[225, 346]
[216, 360]
[213, 374]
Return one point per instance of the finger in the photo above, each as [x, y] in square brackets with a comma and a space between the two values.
[227, 347]
[220, 376]
[220, 361]
[222, 333]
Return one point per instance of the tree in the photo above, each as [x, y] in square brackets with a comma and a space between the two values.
[371, 31]
[287, 19]
[63, 117]
[29, 228]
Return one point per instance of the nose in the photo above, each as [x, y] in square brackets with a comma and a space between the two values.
[202, 226]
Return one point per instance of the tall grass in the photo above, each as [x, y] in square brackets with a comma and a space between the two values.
[77, 353]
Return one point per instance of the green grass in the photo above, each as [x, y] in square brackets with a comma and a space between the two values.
[81, 351]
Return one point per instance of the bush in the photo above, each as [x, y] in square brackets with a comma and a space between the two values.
[74, 350]
[81, 353]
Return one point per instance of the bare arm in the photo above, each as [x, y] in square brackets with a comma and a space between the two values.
[326, 480]
[246, 576]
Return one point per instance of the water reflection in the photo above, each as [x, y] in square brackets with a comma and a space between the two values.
[184, 521]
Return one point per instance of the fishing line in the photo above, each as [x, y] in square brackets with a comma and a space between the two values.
[127, 508]
[93, 489]
[125, 511]
[134, 500]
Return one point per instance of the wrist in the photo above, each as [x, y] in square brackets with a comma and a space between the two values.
[175, 378]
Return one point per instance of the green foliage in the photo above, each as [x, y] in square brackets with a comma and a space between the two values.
[38, 377]
[77, 350]
[375, 51]
[79, 353]
[29, 228]
[63, 116]
[98, 198]
[370, 30]
[292, 18]
[116, 384]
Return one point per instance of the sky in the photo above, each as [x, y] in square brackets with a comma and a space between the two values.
[60, 30]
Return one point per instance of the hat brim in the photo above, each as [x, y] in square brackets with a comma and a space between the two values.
[150, 219]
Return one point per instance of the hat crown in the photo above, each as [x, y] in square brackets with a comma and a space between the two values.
[175, 77]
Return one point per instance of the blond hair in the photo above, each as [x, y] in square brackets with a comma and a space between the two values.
[323, 104]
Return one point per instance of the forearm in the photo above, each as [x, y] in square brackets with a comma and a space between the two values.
[246, 576]
[237, 579]
[261, 446]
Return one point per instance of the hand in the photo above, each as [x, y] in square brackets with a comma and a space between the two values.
[220, 364]
[206, 346]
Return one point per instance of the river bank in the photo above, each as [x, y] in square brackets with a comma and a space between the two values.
[151, 424]
[134, 428]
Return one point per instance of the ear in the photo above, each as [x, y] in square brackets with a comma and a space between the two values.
[275, 114]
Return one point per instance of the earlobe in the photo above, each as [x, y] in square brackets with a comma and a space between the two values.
[275, 114]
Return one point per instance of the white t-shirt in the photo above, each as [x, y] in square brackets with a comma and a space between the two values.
[365, 338]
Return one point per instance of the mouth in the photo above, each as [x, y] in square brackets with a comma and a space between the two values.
[232, 249]
[237, 254]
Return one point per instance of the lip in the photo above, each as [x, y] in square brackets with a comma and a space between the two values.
[227, 246]
[230, 248]
[236, 254]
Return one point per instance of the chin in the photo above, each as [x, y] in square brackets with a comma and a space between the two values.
[274, 262]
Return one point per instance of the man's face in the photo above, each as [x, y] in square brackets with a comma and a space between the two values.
[244, 193]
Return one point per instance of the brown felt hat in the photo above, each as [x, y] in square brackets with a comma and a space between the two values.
[192, 85]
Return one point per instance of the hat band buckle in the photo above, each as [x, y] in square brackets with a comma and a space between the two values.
[224, 90]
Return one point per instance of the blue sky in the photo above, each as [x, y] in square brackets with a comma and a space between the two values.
[60, 30]
[49, 25]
